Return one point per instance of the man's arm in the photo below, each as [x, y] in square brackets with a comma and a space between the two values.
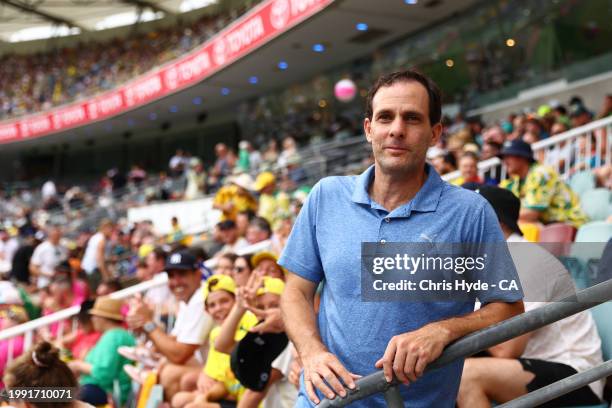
[408, 354]
[529, 215]
[297, 305]
[175, 351]
[100, 261]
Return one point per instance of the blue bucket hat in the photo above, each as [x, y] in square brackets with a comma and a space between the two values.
[517, 148]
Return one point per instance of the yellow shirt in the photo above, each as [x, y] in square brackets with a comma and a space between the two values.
[544, 191]
[218, 364]
[241, 202]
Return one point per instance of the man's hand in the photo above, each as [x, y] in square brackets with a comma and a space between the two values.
[139, 314]
[272, 321]
[408, 354]
[324, 371]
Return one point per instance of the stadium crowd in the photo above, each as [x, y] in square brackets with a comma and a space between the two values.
[31, 83]
[211, 337]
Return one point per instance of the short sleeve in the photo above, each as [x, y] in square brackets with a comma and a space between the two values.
[37, 255]
[499, 266]
[538, 190]
[195, 325]
[301, 254]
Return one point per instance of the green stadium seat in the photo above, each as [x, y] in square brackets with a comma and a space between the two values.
[596, 203]
[582, 182]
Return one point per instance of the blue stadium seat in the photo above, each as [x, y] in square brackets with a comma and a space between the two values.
[582, 182]
[596, 203]
[597, 231]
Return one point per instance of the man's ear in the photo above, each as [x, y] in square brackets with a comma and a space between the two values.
[367, 123]
[436, 133]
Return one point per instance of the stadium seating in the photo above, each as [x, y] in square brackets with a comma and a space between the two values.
[558, 237]
[596, 203]
[597, 231]
[582, 182]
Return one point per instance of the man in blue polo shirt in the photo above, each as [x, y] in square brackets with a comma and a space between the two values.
[399, 199]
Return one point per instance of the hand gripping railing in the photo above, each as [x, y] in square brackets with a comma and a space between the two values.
[482, 340]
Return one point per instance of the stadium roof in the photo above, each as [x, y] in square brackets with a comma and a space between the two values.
[23, 20]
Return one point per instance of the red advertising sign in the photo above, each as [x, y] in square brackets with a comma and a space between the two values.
[257, 27]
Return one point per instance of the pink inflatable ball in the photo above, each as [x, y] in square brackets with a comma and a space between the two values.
[345, 90]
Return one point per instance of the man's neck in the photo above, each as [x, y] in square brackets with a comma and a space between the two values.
[522, 173]
[393, 190]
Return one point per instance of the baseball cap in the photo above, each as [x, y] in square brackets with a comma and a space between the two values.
[251, 360]
[271, 285]
[216, 283]
[263, 180]
[518, 148]
[181, 260]
[507, 206]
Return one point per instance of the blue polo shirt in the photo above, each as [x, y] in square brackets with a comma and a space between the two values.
[325, 244]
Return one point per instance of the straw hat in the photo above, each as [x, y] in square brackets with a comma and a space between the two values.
[108, 308]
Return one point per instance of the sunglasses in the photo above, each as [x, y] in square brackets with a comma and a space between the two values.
[240, 269]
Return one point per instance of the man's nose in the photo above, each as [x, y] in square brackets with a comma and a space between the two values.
[397, 127]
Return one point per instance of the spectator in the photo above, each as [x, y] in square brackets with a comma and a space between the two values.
[266, 264]
[468, 167]
[47, 256]
[579, 115]
[107, 287]
[176, 236]
[41, 367]
[79, 342]
[196, 180]
[265, 185]
[8, 247]
[235, 197]
[190, 329]
[606, 109]
[242, 270]
[177, 164]
[21, 260]
[94, 260]
[225, 264]
[545, 198]
[160, 296]
[444, 163]
[543, 356]
[243, 218]
[103, 364]
[230, 238]
[11, 314]
[259, 230]
[289, 149]
[270, 155]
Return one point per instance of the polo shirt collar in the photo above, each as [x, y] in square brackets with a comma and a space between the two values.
[426, 200]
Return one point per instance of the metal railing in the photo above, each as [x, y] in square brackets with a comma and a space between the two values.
[488, 337]
[583, 148]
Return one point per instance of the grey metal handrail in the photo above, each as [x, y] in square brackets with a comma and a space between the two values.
[561, 387]
[485, 338]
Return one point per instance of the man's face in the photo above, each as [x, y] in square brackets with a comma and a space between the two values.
[400, 131]
[557, 128]
[468, 168]
[488, 151]
[255, 235]
[154, 264]
[183, 284]
[268, 301]
[270, 268]
[229, 236]
[515, 165]
[55, 234]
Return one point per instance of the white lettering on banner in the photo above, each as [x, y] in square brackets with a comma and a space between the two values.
[34, 126]
[247, 34]
[110, 103]
[187, 71]
[279, 14]
[143, 90]
[219, 50]
[300, 6]
[68, 117]
[9, 132]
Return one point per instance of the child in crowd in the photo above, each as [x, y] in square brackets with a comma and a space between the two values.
[217, 386]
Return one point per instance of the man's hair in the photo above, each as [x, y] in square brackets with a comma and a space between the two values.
[262, 224]
[435, 98]
[470, 155]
